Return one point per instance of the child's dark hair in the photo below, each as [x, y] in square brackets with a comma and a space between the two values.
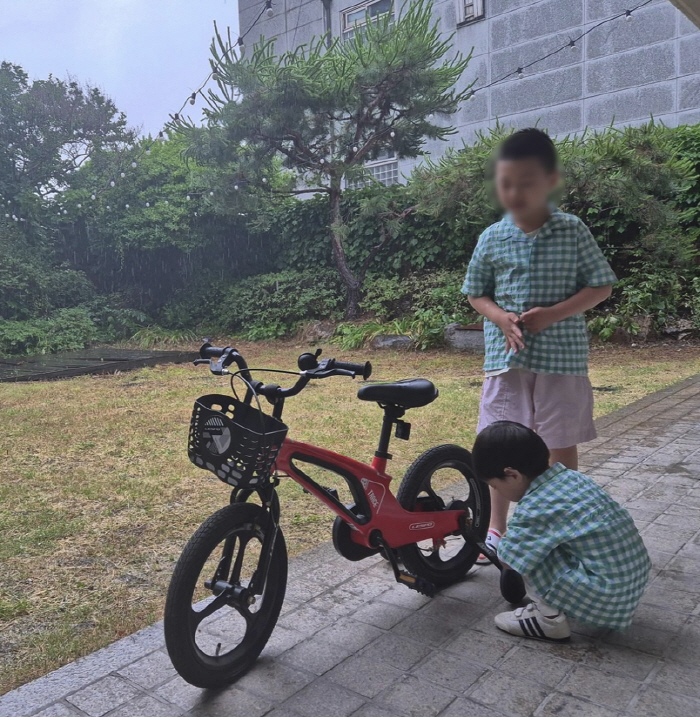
[531, 143]
[506, 444]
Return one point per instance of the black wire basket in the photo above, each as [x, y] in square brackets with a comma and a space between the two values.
[234, 440]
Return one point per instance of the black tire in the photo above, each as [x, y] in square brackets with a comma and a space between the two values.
[240, 528]
[446, 564]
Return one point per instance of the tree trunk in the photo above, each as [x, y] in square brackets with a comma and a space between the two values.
[352, 283]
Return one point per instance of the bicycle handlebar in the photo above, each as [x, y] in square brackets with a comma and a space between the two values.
[220, 358]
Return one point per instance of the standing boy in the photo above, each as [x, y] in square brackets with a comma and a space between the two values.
[578, 551]
[532, 276]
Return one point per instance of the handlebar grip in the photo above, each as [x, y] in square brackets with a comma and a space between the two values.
[360, 369]
[211, 352]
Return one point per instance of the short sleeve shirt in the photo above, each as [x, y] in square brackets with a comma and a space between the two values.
[519, 273]
[579, 548]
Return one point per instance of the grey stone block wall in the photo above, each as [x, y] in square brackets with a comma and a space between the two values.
[620, 73]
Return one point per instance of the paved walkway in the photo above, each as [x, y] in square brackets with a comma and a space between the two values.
[352, 642]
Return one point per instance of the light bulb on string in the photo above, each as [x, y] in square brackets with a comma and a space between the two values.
[211, 194]
[21, 219]
[7, 216]
[264, 180]
[193, 98]
[166, 202]
[134, 165]
[112, 183]
[188, 197]
[472, 95]
[572, 44]
[122, 175]
[148, 152]
[176, 116]
[628, 15]
[148, 204]
[235, 186]
[65, 211]
[93, 197]
[161, 135]
[80, 206]
[521, 74]
[354, 149]
[126, 206]
[240, 44]
[15, 218]
[392, 134]
[268, 9]
[108, 207]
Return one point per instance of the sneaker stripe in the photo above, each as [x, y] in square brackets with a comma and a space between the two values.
[532, 621]
[524, 628]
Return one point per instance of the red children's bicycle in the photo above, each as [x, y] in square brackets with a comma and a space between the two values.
[228, 586]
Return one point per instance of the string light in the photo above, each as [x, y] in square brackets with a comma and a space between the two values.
[628, 15]
[193, 98]
[122, 175]
[268, 9]
[572, 44]
[392, 134]
[134, 165]
[521, 74]
[126, 206]
[112, 183]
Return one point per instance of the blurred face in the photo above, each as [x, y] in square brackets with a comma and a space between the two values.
[512, 486]
[523, 186]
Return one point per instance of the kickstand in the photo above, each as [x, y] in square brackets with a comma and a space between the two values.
[413, 582]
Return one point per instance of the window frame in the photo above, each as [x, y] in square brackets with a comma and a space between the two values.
[462, 19]
[348, 32]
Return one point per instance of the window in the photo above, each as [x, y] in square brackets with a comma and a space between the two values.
[384, 170]
[469, 10]
[356, 17]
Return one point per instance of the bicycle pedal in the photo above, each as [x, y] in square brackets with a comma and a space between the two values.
[420, 585]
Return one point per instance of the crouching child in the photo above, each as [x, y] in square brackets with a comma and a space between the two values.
[577, 549]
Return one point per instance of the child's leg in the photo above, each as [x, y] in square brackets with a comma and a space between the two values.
[505, 397]
[563, 415]
[567, 456]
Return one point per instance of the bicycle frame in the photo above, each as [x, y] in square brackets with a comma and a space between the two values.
[377, 509]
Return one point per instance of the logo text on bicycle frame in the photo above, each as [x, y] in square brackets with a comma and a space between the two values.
[421, 526]
[373, 499]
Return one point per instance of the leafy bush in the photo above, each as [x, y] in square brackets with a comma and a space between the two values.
[269, 306]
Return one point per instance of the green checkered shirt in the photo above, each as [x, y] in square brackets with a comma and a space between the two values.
[519, 273]
[579, 548]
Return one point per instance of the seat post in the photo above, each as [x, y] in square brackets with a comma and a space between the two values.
[382, 455]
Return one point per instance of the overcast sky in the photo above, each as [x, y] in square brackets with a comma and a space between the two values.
[147, 55]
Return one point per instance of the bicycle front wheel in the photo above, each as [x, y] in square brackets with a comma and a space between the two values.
[215, 627]
[439, 478]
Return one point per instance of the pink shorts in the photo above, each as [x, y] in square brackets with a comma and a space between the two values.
[558, 406]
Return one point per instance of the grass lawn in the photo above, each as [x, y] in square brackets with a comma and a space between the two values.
[97, 496]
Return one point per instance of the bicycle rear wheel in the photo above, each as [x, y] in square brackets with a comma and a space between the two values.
[438, 478]
[214, 627]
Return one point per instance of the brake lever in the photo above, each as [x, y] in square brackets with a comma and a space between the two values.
[200, 361]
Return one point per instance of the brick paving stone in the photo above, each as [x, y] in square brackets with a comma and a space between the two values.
[350, 634]
[316, 655]
[231, 703]
[396, 650]
[150, 671]
[370, 710]
[653, 703]
[425, 629]
[324, 698]
[508, 694]
[479, 647]
[686, 646]
[466, 708]
[530, 664]
[360, 674]
[603, 689]
[103, 696]
[146, 706]
[621, 661]
[453, 672]
[642, 638]
[276, 681]
[566, 706]
[57, 710]
[678, 679]
[452, 611]
[414, 697]
[281, 640]
[306, 620]
[179, 693]
[383, 615]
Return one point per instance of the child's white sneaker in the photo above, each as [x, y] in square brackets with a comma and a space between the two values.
[493, 538]
[530, 622]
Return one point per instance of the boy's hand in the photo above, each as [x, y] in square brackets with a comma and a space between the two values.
[508, 323]
[538, 319]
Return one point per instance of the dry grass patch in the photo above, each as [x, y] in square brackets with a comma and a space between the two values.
[97, 496]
